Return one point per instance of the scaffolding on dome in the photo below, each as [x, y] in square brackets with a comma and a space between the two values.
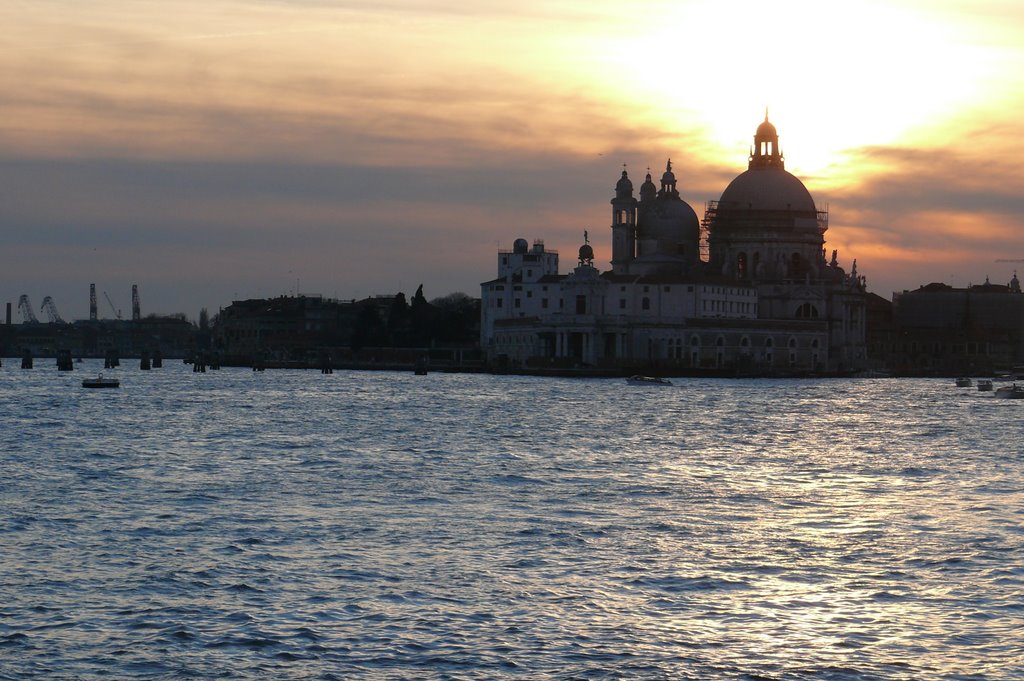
[711, 214]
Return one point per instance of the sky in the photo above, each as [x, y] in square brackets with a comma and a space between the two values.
[214, 150]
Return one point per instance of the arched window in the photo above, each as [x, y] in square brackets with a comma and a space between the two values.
[645, 304]
[807, 311]
[741, 266]
[720, 341]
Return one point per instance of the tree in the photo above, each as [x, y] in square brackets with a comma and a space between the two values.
[369, 329]
[458, 318]
[398, 320]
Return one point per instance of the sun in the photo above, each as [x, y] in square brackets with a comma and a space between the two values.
[834, 76]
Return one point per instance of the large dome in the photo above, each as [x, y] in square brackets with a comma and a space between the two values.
[767, 189]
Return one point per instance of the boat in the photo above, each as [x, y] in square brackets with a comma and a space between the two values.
[100, 382]
[1010, 392]
[984, 385]
[647, 380]
[964, 383]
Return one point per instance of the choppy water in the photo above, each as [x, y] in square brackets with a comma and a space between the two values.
[290, 525]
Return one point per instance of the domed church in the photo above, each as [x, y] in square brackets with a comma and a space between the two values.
[748, 289]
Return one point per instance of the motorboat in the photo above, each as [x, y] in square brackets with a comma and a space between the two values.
[647, 380]
[964, 383]
[100, 382]
[1010, 392]
[984, 385]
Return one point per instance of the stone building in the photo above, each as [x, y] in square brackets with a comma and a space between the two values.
[747, 289]
[938, 329]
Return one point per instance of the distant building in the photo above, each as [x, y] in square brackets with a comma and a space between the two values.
[286, 328]
[941, 330]
[384, 331]
[763, 298]
[171, 336]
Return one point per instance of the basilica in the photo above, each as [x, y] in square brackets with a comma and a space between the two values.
[748, 289]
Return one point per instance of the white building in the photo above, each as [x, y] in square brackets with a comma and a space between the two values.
[764, 300]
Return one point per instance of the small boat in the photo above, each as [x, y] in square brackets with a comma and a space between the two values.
[984, 385]
[647, 380]
[1010, 392]
[964, 383]
[100, 382]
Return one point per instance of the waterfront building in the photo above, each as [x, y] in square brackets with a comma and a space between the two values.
[290, 328]
[383, 331]
[939, 329]
[171, 336]
[747, 289]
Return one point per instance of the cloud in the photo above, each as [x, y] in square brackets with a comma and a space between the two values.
[212, 148]
[930, 214]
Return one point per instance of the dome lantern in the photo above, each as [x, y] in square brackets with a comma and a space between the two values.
[668, 182]
[766, 152]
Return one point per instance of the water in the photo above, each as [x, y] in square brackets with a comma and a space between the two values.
[291, 525]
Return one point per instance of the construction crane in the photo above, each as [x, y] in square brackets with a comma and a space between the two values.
[117, 313]
[51, 310]
[27, 315]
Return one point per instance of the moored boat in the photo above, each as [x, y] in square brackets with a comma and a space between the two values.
[647, 380]
[100, 382]
[1010, 392]
[984, 385]
[964, 382]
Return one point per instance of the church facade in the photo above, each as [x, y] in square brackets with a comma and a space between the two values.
[748, 289]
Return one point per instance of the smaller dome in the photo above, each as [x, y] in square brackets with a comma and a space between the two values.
[671, 221]
[586, 253]
[624, 187]
[648, 190]
[520, 246]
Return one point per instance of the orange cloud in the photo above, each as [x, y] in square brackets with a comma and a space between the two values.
[218, 129]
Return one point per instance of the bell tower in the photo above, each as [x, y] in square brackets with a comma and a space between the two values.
[623, 225]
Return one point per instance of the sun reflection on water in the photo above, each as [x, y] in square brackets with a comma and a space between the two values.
[511, 527]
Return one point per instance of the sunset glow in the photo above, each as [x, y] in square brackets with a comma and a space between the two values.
[463, 123]
[833, 77]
